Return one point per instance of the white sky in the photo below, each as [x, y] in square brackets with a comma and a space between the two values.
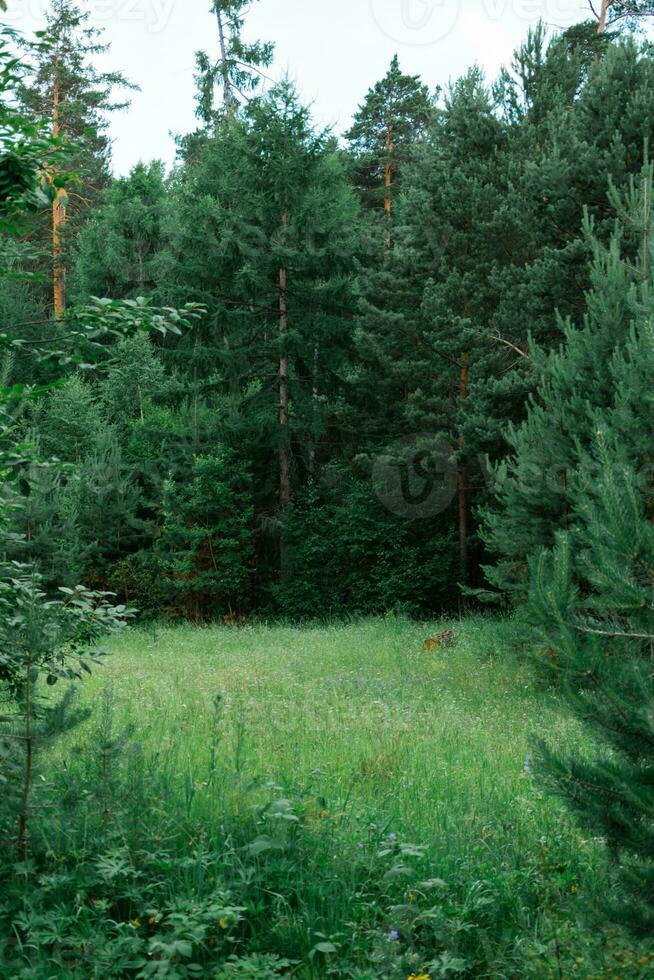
[334, 49]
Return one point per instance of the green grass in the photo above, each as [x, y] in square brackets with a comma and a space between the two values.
[377, 745]
[436, 742]
[360, 720]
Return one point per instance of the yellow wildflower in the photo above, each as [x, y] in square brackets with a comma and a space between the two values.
[223, 923]
[419, 976]
[152, 920]
[136, 923]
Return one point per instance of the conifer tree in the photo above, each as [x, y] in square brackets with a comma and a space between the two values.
[536, 485]
[66, 88]
[122, 249]
[269, 203]
[393, 117]
[591, 594]
[207, 539]
[426, 308]
[388, 128]
[574, 123]
[238, 69]
[458, 213]
[611, 14]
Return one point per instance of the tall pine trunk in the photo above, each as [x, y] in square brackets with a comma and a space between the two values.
[388, 172]
[59, 216]
[284, 465]
[388, 184]
[603, 16]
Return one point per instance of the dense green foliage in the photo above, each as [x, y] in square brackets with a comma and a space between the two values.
[591, 594]
[389, 376]
[419, 312]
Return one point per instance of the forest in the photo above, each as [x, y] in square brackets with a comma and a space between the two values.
[327, 517]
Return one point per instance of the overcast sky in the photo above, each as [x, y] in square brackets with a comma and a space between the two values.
[334, 49]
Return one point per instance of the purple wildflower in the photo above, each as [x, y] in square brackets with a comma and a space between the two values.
[393, 935]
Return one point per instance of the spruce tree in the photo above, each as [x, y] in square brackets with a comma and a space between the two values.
[122, 249]
[207, 537]
[269, 203]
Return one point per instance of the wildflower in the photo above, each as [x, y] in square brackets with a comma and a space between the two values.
[223, 923]
[392, 836]
[419, 976]
[152, 920]
[393, 935]
[136, 923]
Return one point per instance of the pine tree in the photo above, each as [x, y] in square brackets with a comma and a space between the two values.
[574, 122]
[611, 14]
[134, 380]
[68, 421]
[594, 615]
[537, 484]
[66, 88]
[78, 518]
[394, 116]
[238, 68]
[591, 602]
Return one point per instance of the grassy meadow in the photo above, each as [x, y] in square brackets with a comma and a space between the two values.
[433, 744]
[366, 809]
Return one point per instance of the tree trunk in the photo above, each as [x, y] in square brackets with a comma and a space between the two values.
[224, 67]
[388, 174]
[461, 479]
[603, 16]
[284, 468]
[388, 183]
[58, 221]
